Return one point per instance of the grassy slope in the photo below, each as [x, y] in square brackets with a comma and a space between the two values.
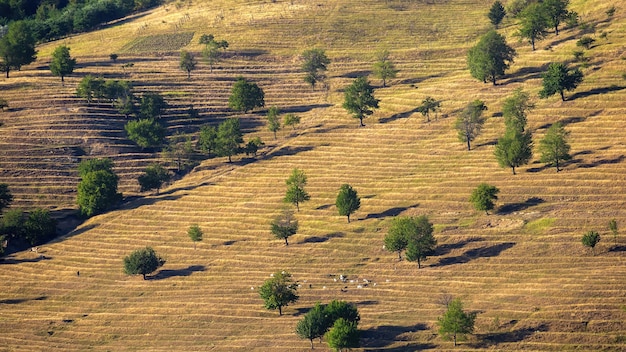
[525, 269]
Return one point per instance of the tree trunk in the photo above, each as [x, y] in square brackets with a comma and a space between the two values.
[297, 206]
[399, 256]
[532, 43]
[513, 167]
[286, 243]
[280, 310]
[312, 345]
[274, 134]
[455, 339]
[419, 263]
[562, 95]
[361, 119]
[556, 29]
[468, 143]
[557, 165]
[8, 72]
[188, 74]
[229, 159]
[384, 83]
[348, 218]
[144, 276]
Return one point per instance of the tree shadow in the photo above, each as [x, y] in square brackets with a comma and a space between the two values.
[526, 73]
[564, 122]
[135, 202]
[386, 335]
[492, 339]
[596, 91]
[324, 207]
[320, 239]
[514, 207]
[11, 260]
[303, 108]
[229, 243]
[482, 252]
[488, 143]
[164, 274]
[539, 168]
[617, 248]
[301, 311]
[389, 212]
[287, 151]
[616, 160]
[447, 248]
[22, 300]
[357, 74]
[400, 115]
[187, 188]
[416, 80]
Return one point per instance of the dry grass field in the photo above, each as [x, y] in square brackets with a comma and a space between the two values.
[523, 268]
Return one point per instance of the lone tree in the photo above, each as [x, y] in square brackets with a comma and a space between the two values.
[558, 79]
[490, 57]
[97, 190]
[142, 261]
[5, 196]
[483, 197]
[315, 63]
[613, 228]
[278, 291]
[359, 99]
[591, 239]
[534, 23]
[284, 225]
[146, 133]
[187, 62]
[496, 13]
[383, 68]
[585, 41]
[470, 122]
[556, 11]
[245, 96]
[413, 234]
[456, 323]
[153, 177]
[348, 201]
[211, 52]
[514, 149]
[152, 106]
[17, 47]
[313, 325]
[554, 147]
[273, 122]
[195, 234]
[291, 120]
[253, 145]
[229, 138]
[62, 64]
[429, 105]
[295, 188]
[343, 335]
[515, 110]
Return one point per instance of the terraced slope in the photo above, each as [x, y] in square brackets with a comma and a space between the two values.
[523, 269]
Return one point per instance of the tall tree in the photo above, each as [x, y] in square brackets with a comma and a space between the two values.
[514, 149]
[207, 139]
[315, 63]
[483, 197]
[347, 201]
[17, 47]
[342, 335]
[146, 133]
[279, 291]
[39, 227]
[142, 261]
[245, 96]
[90, 87]
[341, 309]
[490, 57]
[195, 234]
[62, 64]
[496, 13]
[560, 78]
[273, 122]
[554, 147]
[295, 188]
[212, 54]
[313, 325]
[5, 196]
[429, 105]
[421, 242]
[470, 122]
[591, 239]
[359, 99]
[152, 106]
[153, 177]
[229, 138]
[556, 11]
[455, 322]
[284, 225]
[383, 68]
[97, 190]
[187, 62]
[534, 23]
[291, 120]
[515, 110]
[180, 150]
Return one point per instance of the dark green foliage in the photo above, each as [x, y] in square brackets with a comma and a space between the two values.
[113, 57]
[347, 201]
[613, 228]
[359, 99]
[211, 54]
[610, 12]
[253, 145]
[90, 88]
[207, 140]
[284, 226]
[515, 109]
[13, 223]
[591, 239]
[490, 57]
[315, 62]
[554, 147]
[514, 149]
[343, 334]
[62, 64]
[245, 96]
[341, 310]
[456, 323]
[97, 164]
[5, 196]
[314, 324]
[153, 177]
[187, 62]
[146, 133]
[278, 291]
[585, 41]
[556, 11]
[142, 261]
[97, 192]
[483, 197]
[179, 149]
[470, 122]
[383, 68]
[413, 234]
[515, 7]
[152, 106]
[17, 47]
[273, 122]
[291, 120]
[295, 188]
[195, 234]
[496, 13]
[534, 24]
[560, 78]
[429, 105]
[39, 227]
[229, 138]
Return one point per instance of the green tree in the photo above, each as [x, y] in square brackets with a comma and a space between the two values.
[295, 188]
[515, 110]
[585, 41]
[90, 87]
[39, 227]
[180, 150]
[554, 147]
[496, 13]
[17, 47]
[359, 99]
[429, 105]
[195, 233]
[153, 177]
[113, 57]
[341, 310]
[142, 261]
[313, 325]
[97, 192]
[152, 106]
[456, 323]
[514, 149]
[315, 63]
[245, 96]
[5, 196]
[383, 68]
[490, 57]
[483, 197]
[613, 228]
[279, 291]
[96, 164]
[3, 104]
[291, 120]
[342, 335]
[253, 145]
[187, 62]
[591, 239]
[273, 122]
[284, 225]
[421, 242]
[207, 139]
[470, 122]
[560, 78]
[347, 201]
[396, 239]
[146, 133]
[62, 64]
[534, 23]
[229, 138]
[211, 54]
[556, 11]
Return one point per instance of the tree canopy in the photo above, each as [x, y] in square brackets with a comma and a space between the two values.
[347, 201]
[295, 188]
[207, 139]
[470, 122]
[5, 196]
[413, 234]
[152, 106]
[229, 138]
[496, 13]
[313, 325]
[591, 239]
[153, 177]
[187, 62]
[558, 79]
[556, 11]
[483, 197]
[195, 234]
[17, 47]
[343, 334]
[315, 63]
[554, 147]
[146, 133]
[534, 23]
[514, 149]
[142, 261]
[429, 105]
[515, 110]
[284, 225]
[291, 120]
[278, 291]
[97, 190]
[490, 57]
[273, 122]
[383, 68]
[359, 99]
[62, 64]
[455, 322]
[245, 96]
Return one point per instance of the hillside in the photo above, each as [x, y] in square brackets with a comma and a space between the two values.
[523, 268]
